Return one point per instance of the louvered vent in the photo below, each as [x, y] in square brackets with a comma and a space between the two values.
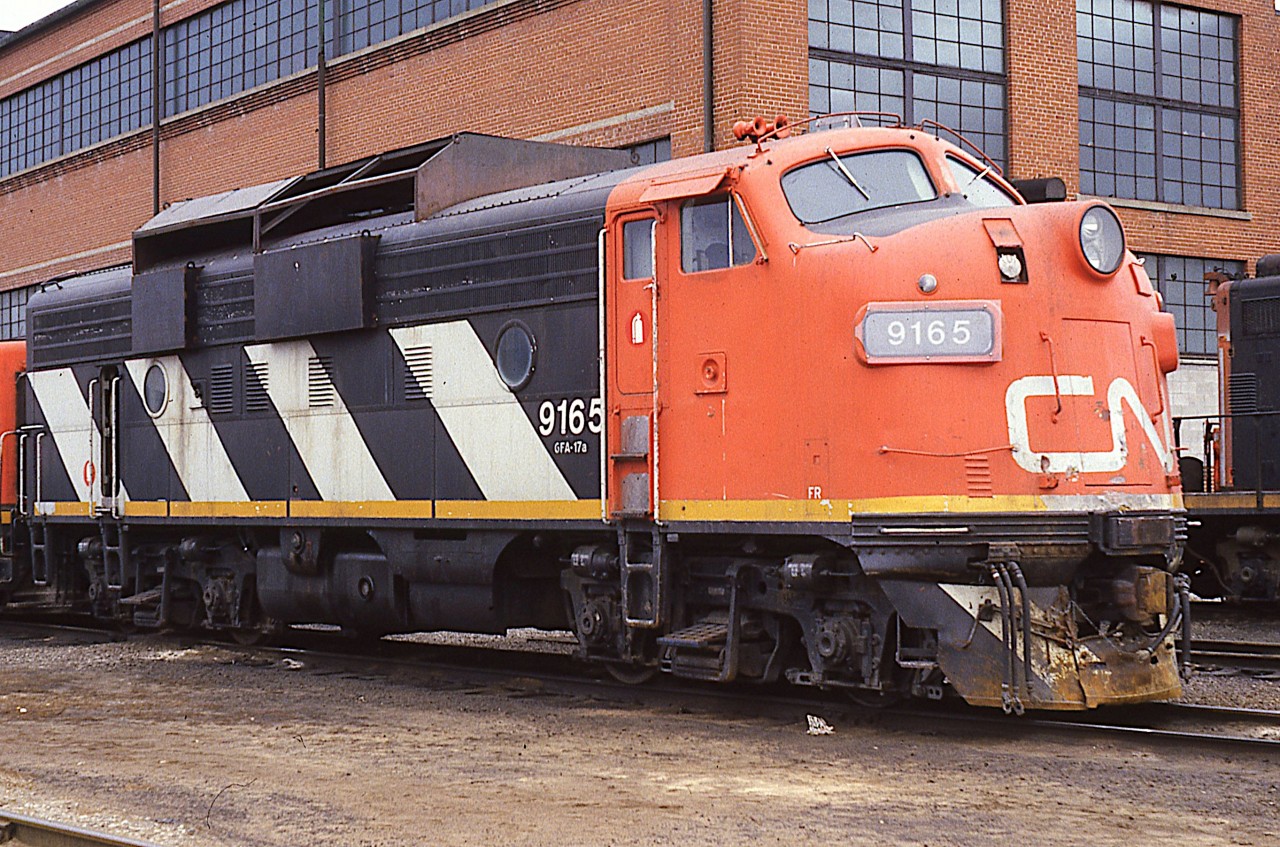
[1242, 393]
[320, 390]
[257, 383]
[419, 376]
[977, 475]
[1261, 316]
[222, 390]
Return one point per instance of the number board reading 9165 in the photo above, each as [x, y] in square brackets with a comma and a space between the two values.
[950, 331]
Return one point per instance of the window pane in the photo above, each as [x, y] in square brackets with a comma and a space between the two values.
[825, 190]
[704, 235]
[1187, 103]
[977, 188]
[1180, 280]
[744, 249]
[947, 36]
[637, 249]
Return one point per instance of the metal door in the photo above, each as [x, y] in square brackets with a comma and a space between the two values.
[630, 298]
[102, 471]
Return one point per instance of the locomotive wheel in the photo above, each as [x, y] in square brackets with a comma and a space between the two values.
[631, 674]
[258, 636]
[874, 699]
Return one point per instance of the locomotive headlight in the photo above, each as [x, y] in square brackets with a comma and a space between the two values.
[1101, 239]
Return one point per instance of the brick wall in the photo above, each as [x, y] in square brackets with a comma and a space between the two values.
[610, 72]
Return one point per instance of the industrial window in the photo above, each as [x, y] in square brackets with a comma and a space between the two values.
[13, 313]
[234, 47]
[1180, 281]
[93, 102]
[361, 23]
[1159, 113]
[939, 60]
[220, 52]
[650, 152]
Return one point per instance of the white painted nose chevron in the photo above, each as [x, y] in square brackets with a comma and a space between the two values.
[490, 430]
[328, 440]
[1107, 461]
[199, 457]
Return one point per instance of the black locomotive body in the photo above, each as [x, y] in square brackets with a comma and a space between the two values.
[1234, 498]
[280, 435]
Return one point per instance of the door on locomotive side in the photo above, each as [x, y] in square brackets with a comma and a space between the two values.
[101, 473]
[633, 244]
[668, 318]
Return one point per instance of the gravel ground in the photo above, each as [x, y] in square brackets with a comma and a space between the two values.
[215, 746]
[1229, 687]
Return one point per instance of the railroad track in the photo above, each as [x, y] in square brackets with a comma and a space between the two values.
[1243, 655]
[24, 831]
[326, 653]
[1178, 724]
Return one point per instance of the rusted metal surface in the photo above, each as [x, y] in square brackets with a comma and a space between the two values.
[1067, 671]
[1110, 675]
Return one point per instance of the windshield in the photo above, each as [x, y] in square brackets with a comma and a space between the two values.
[857, 182]
[977, 188]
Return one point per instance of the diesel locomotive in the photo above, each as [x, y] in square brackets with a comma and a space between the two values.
[837, 407]
[1233, 498]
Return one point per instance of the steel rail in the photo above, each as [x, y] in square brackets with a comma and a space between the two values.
[1245, 655]
[1158, 734]
[27, 831]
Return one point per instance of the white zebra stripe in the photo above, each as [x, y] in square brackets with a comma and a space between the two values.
[66, 413]
[495, 438]
[189, 436]
[326, 437]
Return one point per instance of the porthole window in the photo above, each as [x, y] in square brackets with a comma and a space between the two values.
[516, 354]
[155, 390]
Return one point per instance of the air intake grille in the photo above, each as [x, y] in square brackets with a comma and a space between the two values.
[1261, 316]
[1242, 393]
[543, 263]
[977, 476]
[320, 390]
[257, 383]
[419, 373]
[222, 390]
[99, 329]
[224, 307]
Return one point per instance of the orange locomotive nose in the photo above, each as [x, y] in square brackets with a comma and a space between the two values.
[961, 395]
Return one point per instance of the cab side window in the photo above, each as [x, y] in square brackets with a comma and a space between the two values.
[713, 235]
[976, 188]
[637, 249]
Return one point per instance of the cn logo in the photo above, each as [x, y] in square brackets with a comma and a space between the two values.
[1119, 392]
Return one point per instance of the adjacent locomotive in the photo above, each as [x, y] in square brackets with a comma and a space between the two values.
[837, 407]
[1233, 541]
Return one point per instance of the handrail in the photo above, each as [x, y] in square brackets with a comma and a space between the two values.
[113, 398]
[1258, 490]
